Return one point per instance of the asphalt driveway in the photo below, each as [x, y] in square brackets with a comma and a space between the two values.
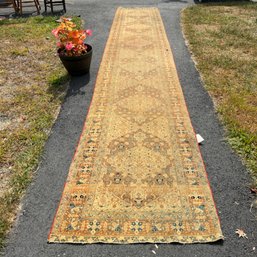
[228, 177]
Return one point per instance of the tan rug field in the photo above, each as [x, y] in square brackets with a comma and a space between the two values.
[137, 174]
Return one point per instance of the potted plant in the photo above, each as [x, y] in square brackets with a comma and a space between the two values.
[74, 53]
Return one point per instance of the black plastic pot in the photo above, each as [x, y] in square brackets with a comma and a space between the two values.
[78, 65]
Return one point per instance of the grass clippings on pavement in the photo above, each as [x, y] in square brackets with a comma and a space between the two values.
[222, 38]
[32, 87]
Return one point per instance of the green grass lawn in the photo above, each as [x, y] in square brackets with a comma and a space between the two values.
[32, 87]
[223, 40]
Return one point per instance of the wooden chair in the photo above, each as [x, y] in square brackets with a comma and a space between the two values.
[8, 4]
[52, 3]
[27, 3]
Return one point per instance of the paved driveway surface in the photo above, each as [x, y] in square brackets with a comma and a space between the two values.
[228, 178]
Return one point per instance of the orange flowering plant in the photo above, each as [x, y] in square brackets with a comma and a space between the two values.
[70, 40]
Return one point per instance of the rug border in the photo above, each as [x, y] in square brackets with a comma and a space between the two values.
[84, 126]
[190, 121]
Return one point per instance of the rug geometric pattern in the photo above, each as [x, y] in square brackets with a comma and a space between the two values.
[137, 175]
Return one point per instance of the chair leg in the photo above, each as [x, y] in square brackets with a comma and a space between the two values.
[15, 6]
[64, 5]
[20, 6]
[37, 6]
[45, 5]
[50, 3]
[51, 6]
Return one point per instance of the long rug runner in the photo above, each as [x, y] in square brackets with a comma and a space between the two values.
[137, 175]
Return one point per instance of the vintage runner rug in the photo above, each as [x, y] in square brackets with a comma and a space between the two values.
[137, 175]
